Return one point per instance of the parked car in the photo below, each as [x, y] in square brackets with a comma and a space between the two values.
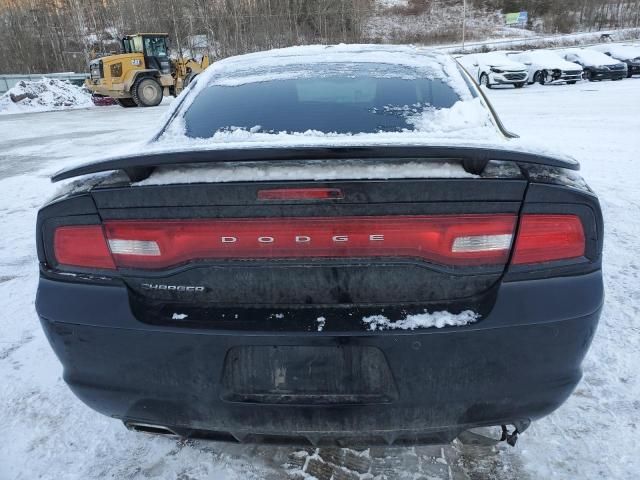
[495, 68]
[547, 67]
[596, 65]
[628, 54]
[324, 245]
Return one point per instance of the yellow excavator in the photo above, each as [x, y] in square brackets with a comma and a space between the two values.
[143, 73]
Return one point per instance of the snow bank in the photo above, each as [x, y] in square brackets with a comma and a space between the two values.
[422, 320]
[43, 96]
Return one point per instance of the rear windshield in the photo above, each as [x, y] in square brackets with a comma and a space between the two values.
[362, 100]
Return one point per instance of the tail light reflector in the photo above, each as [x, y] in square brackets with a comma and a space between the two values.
[445, 239]
[547, 238]
[82, 246]
[482, 243]
[134, 247]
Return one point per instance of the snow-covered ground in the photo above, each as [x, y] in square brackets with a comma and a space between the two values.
[47, 433]
[594, 434]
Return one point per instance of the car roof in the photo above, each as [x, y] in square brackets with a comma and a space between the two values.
[401, 55]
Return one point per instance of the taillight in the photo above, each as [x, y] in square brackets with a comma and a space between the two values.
[82, 246]
[547, 238]
[448, 239]
[456, 240]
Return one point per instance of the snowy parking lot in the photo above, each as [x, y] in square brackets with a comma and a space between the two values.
[48, 433]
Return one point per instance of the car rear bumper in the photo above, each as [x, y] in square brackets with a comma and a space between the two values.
[519, 363]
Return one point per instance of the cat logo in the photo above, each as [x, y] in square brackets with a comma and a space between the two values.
[135, 61]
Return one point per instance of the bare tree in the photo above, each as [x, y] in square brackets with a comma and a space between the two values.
[39, 36]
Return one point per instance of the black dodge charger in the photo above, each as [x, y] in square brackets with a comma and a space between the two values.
[324, 245]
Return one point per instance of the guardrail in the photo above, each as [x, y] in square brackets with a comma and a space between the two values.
[9, 81]
[499, 44]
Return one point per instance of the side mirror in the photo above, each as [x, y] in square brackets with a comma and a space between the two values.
[476, 64]
[528, 64]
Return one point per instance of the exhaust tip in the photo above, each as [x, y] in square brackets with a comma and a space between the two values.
[150, 428]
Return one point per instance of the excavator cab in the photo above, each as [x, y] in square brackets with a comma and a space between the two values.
[154, 49]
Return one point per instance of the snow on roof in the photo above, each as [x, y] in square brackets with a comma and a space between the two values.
[622, 52]
[494, 57]
[591, 56]
[418, 57]
[543, 55]
[546, 59]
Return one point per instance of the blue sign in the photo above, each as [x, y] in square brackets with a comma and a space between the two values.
[523, 18]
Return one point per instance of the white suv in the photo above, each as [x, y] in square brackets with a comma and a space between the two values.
[495, 68]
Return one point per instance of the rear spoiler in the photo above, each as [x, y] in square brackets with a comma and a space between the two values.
[474, 159]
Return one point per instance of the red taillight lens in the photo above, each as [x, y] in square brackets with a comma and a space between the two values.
[547, 238]
[448, 240]
[300, 194]
[82, 246]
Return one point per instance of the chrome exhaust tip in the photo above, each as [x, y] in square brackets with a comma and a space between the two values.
[150, 428]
